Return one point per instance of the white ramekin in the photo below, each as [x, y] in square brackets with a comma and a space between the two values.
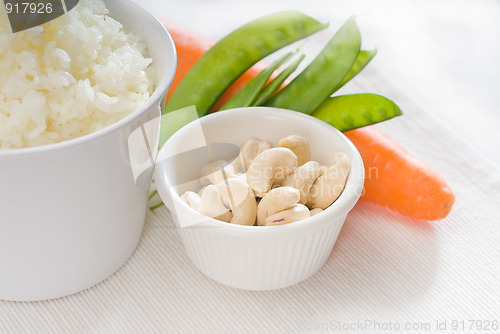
[252, 257]
[72, 213]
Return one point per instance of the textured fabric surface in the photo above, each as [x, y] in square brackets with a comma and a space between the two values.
[385, 270]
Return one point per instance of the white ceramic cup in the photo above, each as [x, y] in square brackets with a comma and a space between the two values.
[254, 257]
[72, 213]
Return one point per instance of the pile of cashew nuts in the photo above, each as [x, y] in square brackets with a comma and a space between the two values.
[268, 185]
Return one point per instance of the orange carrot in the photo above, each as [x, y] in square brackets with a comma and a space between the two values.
[394, 178]
[190, 47]
[398, 180]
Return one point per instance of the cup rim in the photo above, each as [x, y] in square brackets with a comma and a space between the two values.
[159, 92]
[340, 207]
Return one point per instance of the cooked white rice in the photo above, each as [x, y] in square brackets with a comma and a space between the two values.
[70, 77]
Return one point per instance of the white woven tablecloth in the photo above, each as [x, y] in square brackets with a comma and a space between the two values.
[385, 270]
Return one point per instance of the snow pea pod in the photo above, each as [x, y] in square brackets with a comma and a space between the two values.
[214, 72]
[348, 112]
[276, 83]
[247, 95]
[363, 58]
[325, 73]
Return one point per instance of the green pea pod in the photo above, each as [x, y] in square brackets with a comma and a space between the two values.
[246, 96]
[276, 83]
[363, 58]
[227, 60]
[348, 112]
[325, 73]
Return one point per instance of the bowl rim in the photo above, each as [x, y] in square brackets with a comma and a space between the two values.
[155, 98]
[339, 208]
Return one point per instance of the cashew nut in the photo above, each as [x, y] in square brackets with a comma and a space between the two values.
[200, 192]
[242, 177]
[303, 178]
[328, 187]
[192, 199]
[251, 149]
[211, 205]
[270, 167]
[322, 169]
[276, 200]
[295, 213]
[240, 199]
[315, 211]
[300, 146]
[213, 172]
